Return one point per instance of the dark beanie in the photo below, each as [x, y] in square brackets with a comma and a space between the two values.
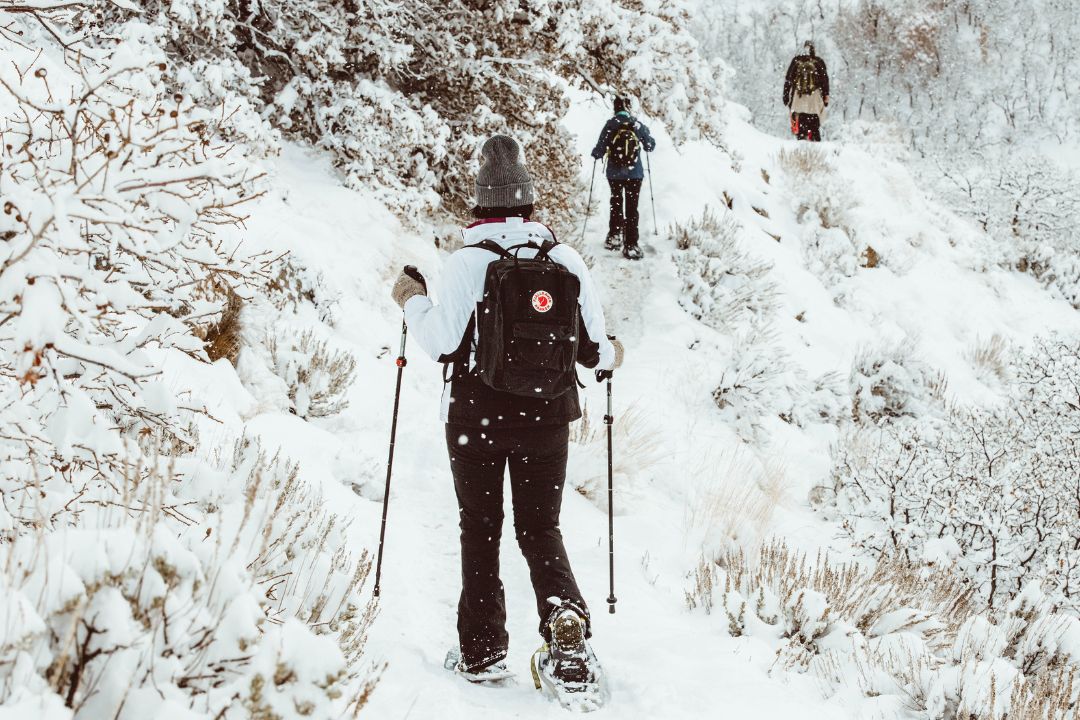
[503, 181]
[622, 104]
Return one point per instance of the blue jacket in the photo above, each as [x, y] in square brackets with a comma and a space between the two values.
[622, 119]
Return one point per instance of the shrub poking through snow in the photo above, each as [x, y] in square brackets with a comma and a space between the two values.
[909, 637]
[888, 383]
[817, 189]
[318, 377]
[724, 285]
[150, 599]
[755, 383]
[822, 205]
[994, 490]
[990, 358]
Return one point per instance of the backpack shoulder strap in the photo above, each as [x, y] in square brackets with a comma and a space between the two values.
[545, 250]
[459, 358]
[491, 246]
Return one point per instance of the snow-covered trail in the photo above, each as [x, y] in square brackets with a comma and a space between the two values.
[661, 660]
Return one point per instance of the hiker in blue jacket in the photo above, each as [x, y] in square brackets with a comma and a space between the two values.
[622, 141]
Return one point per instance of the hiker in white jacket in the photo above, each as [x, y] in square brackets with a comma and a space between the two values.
[488, 430]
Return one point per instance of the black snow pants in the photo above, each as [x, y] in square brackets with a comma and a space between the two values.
[624, 210]
[537, 460]
[809, 127]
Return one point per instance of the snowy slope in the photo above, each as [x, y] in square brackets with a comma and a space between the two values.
[663, 661]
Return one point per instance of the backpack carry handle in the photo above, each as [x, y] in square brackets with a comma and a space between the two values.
[543, 250]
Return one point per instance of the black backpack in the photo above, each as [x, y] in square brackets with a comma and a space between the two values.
[624, 148]
[528, 323]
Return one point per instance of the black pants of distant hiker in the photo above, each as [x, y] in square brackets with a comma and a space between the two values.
[537, 460]
[624, 210]
[809, 127]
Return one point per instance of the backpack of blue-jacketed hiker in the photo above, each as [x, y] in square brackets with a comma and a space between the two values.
[624, 147]
[527, 323]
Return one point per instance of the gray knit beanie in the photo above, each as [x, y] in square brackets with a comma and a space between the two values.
[503, 181]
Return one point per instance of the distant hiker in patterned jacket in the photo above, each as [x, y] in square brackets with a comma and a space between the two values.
[621, 141]
[488, 429]
[806, 93]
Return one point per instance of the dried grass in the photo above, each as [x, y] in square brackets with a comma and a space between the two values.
[736, 496]
[638, 450]
[989, 357]
[219, 328]
[804, 162]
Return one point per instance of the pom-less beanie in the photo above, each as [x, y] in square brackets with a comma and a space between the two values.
[503, 181]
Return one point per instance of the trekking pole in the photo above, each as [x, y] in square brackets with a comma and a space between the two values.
[401, 362]
[588, 205]
[608, 420]
[648, 164]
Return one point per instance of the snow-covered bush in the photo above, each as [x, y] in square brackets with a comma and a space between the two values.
[822, 399]
[317, 376]
[888, 382]
[993, 490]
[111, 187]
[822, 202]
[906, 637]
[758, 381]
[724, 285]
[153, 601]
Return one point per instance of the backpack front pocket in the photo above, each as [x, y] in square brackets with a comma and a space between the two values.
[542, 346]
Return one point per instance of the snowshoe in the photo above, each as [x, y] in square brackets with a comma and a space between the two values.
[613, 242]
[565, 669]
[632, 251]
[489, 674]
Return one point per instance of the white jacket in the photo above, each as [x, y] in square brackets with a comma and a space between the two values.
[438, 328]
[812, 104]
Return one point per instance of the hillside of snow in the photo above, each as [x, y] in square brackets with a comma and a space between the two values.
[930, 293]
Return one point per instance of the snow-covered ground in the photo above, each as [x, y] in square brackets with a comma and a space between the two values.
[931, 293]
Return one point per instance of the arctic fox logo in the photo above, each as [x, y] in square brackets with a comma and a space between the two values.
[541, 301]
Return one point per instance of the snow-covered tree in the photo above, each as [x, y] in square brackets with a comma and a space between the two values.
[145, 572]
[404, 112]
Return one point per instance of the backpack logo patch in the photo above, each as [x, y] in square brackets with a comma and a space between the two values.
[542, 301]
